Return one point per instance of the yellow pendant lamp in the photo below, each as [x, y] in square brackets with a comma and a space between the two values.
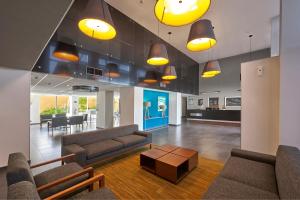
[211, 69]
[66, 52]
[96, 21]
[180, 12]
[169, 73]
[202, 36]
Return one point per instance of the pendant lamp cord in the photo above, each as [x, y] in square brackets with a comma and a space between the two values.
[250, 44]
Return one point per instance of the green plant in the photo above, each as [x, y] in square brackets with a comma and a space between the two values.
[82, 104]
[52, 111]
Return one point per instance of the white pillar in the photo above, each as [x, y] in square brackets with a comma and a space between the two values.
[34, 109]
[290, 73]
[74, 105]
[175, 108]
[275, 36]
[105, 101]
[15, 112]
[131, 106]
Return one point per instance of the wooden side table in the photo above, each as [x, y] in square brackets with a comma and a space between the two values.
[148, 158]
[172, 167]
[190, 154]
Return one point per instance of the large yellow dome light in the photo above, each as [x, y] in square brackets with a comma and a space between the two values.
[96, 21]
[98, 29]
[180, 12]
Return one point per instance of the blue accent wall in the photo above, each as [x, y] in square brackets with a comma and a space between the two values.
[154, 118]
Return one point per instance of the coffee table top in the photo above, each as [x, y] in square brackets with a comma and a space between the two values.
[166, 147]
[172, 159]
[154, 153]
[187, 153]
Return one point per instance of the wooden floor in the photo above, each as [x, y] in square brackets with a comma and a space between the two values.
[128, 181]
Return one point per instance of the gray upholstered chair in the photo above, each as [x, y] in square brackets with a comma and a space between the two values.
[45, 119]
[48, 182]
[76, 120]
[61, 115]
[27, 190]
[58, 122]
[85, 118]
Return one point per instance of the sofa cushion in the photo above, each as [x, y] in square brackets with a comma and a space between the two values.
[22, 190]
[129, 140]
[102, 193]
[253, 173]
[18, 169]
[288, 172]
[223, 188]
[55, 174]
[99, 148]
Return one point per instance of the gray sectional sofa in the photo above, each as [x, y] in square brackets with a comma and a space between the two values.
[250, 175]
[95, 146]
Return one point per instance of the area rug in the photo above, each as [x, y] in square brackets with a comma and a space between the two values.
[128, 180]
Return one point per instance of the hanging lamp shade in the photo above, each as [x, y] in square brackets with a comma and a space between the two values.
[151, 77]
[113, 70]
[202, 36]
[169, 73]
[66, 52]
[96, 21]
[158, 55]
[211, 69]
[180, 12]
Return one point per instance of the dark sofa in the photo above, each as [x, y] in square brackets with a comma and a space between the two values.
[95, 146]
[250, 175]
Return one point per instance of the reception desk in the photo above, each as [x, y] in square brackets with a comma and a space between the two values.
[218, 115]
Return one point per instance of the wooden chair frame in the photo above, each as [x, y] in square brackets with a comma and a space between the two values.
[89, 182]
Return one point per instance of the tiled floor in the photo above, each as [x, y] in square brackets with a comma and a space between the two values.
[211, 141]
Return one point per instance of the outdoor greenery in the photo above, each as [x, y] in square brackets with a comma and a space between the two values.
[82, 104]
[52, 111]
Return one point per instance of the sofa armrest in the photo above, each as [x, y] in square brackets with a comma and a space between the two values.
[143, 133]
[250, 155]
[80, 153]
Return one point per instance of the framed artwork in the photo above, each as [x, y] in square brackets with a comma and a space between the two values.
[161, 103]
[213, 102]
[233, 101]
[191, 101]
[200, 102]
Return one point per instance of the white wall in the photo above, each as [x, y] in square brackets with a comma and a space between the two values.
[226, 92]
[290, 73]
[175, 108]
[15, 113]
[275, 36]
[260, 106]
[131, 106]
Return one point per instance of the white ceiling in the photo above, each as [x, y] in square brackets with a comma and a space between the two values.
[233, 20]
[62, 85]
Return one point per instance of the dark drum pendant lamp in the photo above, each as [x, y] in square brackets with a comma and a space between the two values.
[113, 70]
[151, 77]
[158, 55]
[169, 73]
[211, 69]
[202, 36]
[66, 52]
[96, 21]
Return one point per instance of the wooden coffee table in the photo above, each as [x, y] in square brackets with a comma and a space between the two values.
[170, 162]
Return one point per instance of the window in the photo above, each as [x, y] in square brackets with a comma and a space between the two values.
[82, 104]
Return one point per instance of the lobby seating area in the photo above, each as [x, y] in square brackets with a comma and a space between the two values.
[149, 99]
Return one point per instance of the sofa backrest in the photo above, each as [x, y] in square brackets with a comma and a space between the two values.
[18, 169]
[288, 172]
[22, 190]
[98, 135]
